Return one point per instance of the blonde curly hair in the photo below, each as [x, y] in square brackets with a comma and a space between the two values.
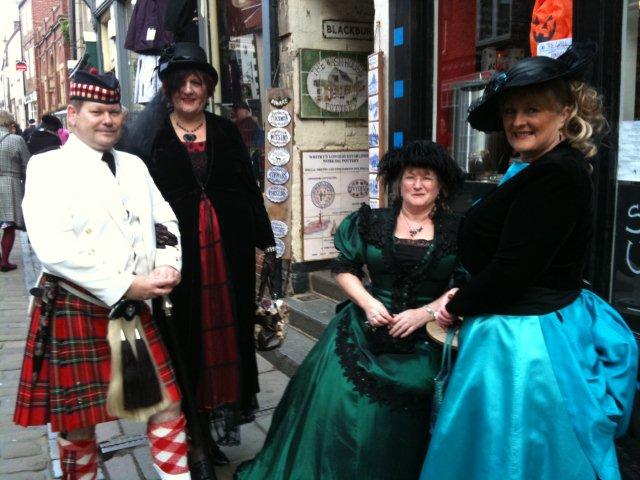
[586, 118]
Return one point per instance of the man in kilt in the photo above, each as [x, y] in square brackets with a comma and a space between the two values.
[108, 243]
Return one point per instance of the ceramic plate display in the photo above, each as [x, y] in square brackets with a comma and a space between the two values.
[279, 228]
[277, 193]
[279, 118]
[278, 137]
[280, 246]
[278, 175]
[279, 156]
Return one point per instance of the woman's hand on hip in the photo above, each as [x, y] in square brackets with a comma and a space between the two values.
[408, 322]
[377, 313]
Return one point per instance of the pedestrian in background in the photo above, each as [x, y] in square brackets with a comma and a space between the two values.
[14, 156]
[45, 137]
[546, 371]
[31, 127]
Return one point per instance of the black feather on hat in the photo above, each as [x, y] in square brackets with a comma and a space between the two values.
[484, 113]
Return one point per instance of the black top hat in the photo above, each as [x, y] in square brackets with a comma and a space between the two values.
[94, 87]
[484, 113]
[185, 55]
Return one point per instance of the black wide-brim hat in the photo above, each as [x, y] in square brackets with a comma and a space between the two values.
[184, 56]
[484, 113]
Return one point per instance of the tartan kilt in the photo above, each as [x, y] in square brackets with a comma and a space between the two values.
[70, 390]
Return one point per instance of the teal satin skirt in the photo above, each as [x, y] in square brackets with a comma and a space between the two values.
[537, 397]
[349, 413]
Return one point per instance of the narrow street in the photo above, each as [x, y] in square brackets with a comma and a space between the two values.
[32, 454]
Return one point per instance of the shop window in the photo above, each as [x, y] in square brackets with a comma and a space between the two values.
[626, 264]
[240, 33]
[474, 40]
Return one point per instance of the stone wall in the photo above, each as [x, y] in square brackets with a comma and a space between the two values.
[300, 26]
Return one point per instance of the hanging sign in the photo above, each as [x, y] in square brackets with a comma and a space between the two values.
[279, 157]
[278, 137]
[279, 228]
[333, 84]
[279, 118]
[277, 193]
[348, 30]
[278, 175]
[279, 102]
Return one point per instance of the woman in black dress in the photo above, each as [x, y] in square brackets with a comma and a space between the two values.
[202, 168]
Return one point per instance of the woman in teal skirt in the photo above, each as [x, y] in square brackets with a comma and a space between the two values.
[546, 371]
[359, 405]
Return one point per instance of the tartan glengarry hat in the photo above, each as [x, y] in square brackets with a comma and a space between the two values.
[93, 87]
[484, 113]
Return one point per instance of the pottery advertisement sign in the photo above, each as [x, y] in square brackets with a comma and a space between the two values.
[334, 183]
[333, 84]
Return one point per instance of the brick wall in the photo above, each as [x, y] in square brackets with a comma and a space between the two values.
[51, 54]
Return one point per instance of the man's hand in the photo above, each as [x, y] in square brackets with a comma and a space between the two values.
[146, 287]
[170, 274]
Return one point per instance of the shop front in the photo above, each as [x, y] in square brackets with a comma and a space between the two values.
[451, 48]
[466, 43]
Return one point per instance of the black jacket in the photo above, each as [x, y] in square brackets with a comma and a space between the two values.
[531, 234]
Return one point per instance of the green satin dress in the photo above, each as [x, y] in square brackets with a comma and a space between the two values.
[359, 405]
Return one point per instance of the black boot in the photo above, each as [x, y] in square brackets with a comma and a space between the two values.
[202, 469]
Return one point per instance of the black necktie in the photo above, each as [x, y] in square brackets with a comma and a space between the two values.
[111, 162]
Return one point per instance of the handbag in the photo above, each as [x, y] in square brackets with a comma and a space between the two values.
[272, 316]
[442, 378]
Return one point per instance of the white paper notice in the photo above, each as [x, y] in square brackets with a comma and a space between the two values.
[629, 151]
[554, 48]
[151, 34]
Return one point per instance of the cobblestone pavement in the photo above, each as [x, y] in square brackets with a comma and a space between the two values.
[31, 453]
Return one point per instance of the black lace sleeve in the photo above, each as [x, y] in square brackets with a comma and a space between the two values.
[343, 265]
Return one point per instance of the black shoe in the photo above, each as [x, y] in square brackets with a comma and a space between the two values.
[218, 457]
[202, 470]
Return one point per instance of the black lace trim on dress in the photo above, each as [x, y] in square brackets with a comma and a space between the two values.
[376, 227]
[420, 242]
[342, 265]
[378, 391]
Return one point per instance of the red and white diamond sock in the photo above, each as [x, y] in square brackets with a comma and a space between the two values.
[79, 459]
[169, 448]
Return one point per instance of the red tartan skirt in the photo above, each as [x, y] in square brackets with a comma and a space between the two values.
[70, 390]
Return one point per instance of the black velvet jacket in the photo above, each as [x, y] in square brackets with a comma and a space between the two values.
[525, 243]
[244, 224]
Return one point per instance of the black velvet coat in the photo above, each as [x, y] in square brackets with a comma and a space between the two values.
[244, 224]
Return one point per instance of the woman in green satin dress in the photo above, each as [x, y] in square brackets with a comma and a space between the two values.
[359, 405]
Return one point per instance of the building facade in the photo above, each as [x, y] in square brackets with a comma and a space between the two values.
[13, 78]
[51, 45]
[29, 55]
